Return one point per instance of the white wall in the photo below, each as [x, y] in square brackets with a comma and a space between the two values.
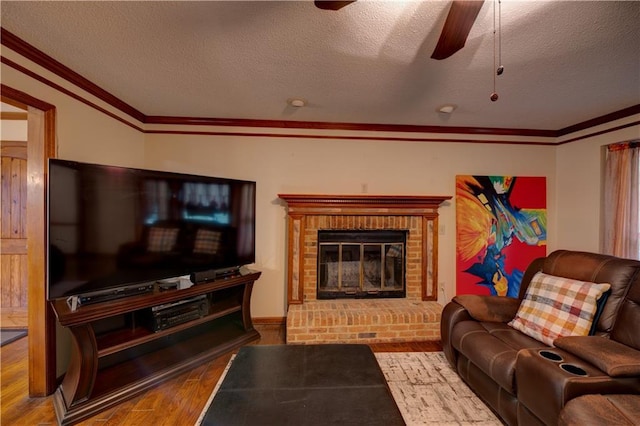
[13, 130]
[282, 165]
[579, 192]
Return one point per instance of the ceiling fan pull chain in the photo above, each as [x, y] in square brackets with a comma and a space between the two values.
[500, 69]
[494, 95]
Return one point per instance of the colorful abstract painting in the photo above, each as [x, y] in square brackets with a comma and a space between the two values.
[501, 226]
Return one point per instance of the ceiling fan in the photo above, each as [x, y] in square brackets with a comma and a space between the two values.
[462, 15]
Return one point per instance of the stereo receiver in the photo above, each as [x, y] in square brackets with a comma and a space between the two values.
[169, 315]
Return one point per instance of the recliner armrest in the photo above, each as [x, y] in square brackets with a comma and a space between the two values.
[613, 358]
[452, 314]
[489, 308]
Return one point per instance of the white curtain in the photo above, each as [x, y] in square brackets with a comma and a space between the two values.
[621, 200]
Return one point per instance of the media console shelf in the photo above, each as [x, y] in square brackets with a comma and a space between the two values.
[116, 354]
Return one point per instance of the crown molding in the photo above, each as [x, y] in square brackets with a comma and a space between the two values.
[604, 119]
[37, 56]
[601, 132]
[324, 125]
[40, 58]
[6, 91]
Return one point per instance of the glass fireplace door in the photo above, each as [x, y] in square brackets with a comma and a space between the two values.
[361, 269]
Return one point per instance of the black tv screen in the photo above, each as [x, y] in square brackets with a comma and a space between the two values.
[110, 227]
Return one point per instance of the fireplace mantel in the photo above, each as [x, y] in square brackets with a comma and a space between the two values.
[308, 213]
[321, 202]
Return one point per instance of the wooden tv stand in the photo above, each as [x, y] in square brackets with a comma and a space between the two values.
[115, 354]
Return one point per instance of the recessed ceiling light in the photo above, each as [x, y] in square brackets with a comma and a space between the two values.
[297, 102]
[446, 109]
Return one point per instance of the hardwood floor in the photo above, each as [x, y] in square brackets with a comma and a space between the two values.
[174, 403]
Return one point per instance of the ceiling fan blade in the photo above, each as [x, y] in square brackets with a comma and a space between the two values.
[331, 5]
[456, 28]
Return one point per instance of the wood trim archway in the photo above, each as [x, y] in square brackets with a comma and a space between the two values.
[41, 145]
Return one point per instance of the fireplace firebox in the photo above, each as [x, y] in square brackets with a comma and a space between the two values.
[361, 264]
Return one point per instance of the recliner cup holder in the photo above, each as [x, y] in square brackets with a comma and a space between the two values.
[552, 356]
[573, 369]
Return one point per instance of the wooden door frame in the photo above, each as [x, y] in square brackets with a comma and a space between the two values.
[41, 145]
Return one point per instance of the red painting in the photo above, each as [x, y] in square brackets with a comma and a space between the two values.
[501, 226]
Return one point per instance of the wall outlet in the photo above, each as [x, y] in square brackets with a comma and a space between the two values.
[442, 290]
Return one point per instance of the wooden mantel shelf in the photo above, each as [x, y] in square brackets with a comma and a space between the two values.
[363, 200]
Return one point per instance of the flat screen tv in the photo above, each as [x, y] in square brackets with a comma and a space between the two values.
[111, 227]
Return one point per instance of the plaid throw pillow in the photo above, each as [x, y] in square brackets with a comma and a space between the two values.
[162, 239]
[207, 242]
[555, 306]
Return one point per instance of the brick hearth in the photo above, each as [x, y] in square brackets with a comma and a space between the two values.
[413, 318]
[363, 321]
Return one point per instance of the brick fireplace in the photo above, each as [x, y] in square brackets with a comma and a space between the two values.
[413, 317]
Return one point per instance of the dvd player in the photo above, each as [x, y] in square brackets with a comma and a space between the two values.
[108, 294]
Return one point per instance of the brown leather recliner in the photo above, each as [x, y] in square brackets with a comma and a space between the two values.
[527, 382]
[599, 410]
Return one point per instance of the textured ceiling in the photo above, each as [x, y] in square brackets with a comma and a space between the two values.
[565, 61]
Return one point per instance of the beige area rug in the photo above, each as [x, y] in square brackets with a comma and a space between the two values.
[429, 392]
[426, 389]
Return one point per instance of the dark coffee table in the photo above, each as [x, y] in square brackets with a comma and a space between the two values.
[304, 385]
